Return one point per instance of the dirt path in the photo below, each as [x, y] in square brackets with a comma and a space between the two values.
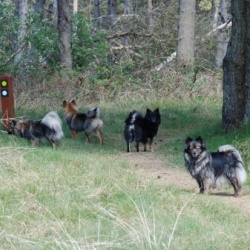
[153, 168]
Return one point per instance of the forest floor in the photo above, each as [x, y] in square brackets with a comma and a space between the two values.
[153, 168]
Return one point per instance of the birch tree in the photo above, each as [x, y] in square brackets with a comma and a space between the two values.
[223, 36]
[186, 33]
[22, 8]
[75, 6]
[150, 21]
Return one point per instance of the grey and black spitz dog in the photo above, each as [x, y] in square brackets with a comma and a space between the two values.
[142, 129]
[87, 122]
[211, 169]
[49, 128]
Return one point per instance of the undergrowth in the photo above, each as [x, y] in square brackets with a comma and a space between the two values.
[168, 84]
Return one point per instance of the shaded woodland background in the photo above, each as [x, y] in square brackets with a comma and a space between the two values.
[115, 45]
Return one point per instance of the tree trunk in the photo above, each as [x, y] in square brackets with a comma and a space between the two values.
[150, 19]
[223, 36]
[55, 13]
[39, 6]
[75, 6]
[22, 14]
[215, 10]
[236, 94]
[63, 26]
[247, 56]
[96, 8]
[186, 33]
[127, 7]
[112, 6]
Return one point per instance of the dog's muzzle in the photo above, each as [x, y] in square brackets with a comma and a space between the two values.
[194, 153]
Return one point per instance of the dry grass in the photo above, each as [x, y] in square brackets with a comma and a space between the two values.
[166, 84]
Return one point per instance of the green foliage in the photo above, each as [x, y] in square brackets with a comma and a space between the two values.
[88, 45]
[40, 43]
[143, 49]
[43, 38]
[8, 33]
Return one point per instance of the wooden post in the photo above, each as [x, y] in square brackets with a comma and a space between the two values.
[7, 99]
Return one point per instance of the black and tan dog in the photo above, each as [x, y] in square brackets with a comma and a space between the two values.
[215, 168]
[87, 122]
[47, 129]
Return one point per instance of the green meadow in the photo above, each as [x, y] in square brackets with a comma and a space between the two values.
[90, 196]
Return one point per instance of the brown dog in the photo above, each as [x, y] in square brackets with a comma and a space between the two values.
[87, 122]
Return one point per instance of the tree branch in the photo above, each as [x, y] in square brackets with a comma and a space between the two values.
[170, 58]
[225, 26]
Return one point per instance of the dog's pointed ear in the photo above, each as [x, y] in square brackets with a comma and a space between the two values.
[64, 103]
[189, 139]
[157, 111]
[199, 139]
[73, 102]
[187, 142]
[13, 122]
[148, 111]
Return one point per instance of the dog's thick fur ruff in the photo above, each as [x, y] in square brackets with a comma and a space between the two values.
[142, 129]
[215, 168]
[47, 129]
[87, 122]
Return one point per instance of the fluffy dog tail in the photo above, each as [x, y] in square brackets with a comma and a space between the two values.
[93, 112]
[133, 118]
[96, 123]
[132, 130]
[240, 171]
[53, 121]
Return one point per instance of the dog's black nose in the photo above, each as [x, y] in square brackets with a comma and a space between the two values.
[194, 153]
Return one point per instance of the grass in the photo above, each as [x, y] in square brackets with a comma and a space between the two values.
[88, 196]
